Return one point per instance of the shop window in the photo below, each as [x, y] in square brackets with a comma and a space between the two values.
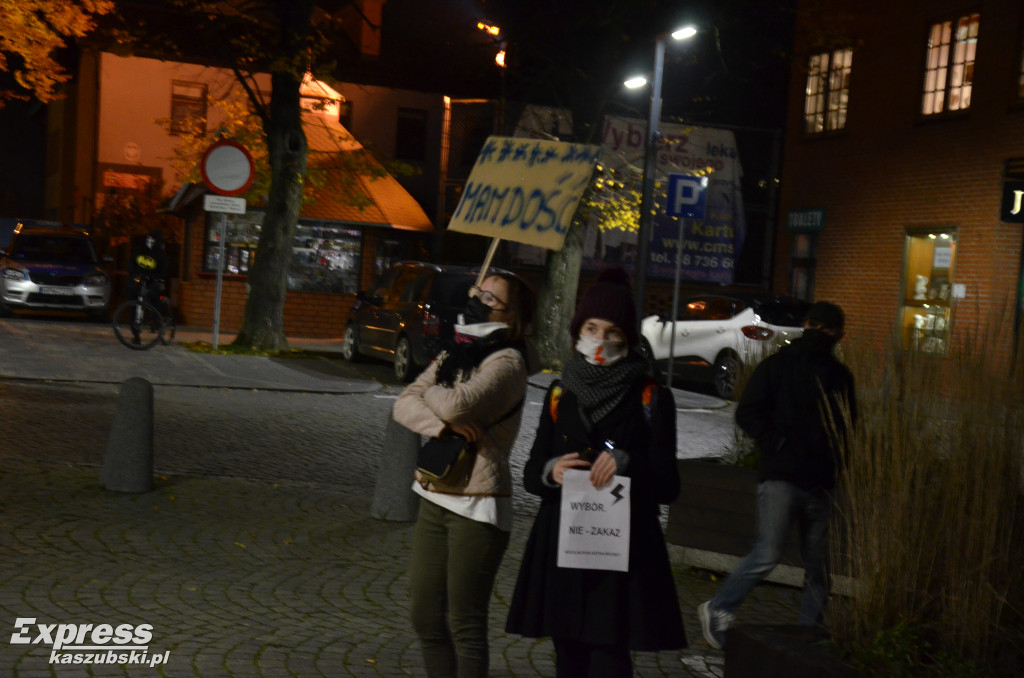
[928, 290]
[324, 258]
[188, 107]
[411, 135]
[949, 69]
[803, 259]
[828, 91]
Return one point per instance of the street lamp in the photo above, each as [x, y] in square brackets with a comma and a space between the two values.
[646, 226]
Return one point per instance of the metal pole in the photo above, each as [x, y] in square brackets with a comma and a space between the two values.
[646, 224]
[675, 303]
[220, 278]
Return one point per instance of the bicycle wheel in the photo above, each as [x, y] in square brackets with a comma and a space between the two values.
[138, 325]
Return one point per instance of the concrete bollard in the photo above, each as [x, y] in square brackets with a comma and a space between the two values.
[393, 498]
[128, 464]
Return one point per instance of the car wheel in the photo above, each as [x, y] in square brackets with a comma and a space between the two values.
[727, 369]
[403, 360]
[5, 310]
[349, 347]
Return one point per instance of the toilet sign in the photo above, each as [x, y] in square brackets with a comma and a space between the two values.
[687, 196]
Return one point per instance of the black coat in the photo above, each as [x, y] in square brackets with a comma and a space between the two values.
[799, 405]
[638, 608]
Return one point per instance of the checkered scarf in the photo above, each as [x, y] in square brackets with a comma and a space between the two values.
[599, 389]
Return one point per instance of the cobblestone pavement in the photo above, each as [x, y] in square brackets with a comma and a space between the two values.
[255, 554]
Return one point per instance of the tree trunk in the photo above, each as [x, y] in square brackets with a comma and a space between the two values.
[557, 300]
[263, 324]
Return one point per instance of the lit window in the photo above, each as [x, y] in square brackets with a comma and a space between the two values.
[188, 107]
[1020, 86]
[828, 89]
[950, 65]
[929, 292]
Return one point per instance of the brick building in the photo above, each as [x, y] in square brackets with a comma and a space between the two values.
[905, 130]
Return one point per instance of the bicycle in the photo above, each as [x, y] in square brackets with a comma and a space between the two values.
[138, 324]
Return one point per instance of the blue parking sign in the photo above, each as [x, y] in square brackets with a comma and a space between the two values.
[687, 196]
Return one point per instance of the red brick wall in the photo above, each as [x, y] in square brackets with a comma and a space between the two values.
[890, 170]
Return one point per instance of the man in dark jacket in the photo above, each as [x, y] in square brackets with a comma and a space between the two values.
[799, 406]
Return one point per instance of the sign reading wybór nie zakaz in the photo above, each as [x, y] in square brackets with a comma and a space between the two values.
[525, 190]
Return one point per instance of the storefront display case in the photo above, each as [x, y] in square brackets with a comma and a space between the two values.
[925, 315]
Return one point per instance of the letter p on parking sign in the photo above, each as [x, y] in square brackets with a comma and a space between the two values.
[687, 196]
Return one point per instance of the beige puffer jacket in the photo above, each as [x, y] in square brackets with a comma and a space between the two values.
[497, 385]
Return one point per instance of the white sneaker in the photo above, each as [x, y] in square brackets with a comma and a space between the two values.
[713, 624]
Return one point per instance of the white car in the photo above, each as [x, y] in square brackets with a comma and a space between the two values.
[716, 334]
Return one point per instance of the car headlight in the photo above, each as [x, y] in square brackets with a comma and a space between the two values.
[96, 280]
[14, 274]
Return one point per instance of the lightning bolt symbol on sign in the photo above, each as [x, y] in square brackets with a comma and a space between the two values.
[617, 493]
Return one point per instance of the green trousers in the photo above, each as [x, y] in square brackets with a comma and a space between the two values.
[454, 563]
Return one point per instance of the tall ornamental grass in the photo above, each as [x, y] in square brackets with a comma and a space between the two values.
[931, 524]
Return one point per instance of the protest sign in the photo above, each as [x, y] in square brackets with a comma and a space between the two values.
[594, 530]
[525, 190]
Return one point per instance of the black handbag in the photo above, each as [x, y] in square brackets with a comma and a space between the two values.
[440, 459]
[451, 457]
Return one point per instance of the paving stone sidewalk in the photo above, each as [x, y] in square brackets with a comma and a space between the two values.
[243, 563]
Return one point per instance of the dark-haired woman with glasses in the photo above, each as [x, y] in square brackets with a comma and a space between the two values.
[475, 389]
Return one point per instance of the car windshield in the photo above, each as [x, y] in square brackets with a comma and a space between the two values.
[785, 312]
[56, 248]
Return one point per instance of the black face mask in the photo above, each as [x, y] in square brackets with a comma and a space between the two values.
[819, 341]
[475, 311]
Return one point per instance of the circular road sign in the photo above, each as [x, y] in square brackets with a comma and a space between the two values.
[227, 168]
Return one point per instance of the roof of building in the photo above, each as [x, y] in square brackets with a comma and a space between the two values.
[369, 196]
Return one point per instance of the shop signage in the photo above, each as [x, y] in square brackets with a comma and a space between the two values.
[1012, 205]
[805, 220]
[525, 190]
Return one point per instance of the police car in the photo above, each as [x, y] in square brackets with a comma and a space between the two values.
[53, 268]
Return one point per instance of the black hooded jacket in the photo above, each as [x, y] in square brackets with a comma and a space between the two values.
[799, 405]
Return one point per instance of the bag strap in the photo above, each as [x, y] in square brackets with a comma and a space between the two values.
[509, 413]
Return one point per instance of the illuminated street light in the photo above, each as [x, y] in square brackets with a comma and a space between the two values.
[646, 226]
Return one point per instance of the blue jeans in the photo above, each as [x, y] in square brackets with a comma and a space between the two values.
[779, 506]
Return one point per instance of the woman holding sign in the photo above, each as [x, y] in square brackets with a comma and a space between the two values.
[473, 389]
[609, 419]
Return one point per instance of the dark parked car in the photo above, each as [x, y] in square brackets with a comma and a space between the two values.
[53, 268]
[719, 332]
[408, 319]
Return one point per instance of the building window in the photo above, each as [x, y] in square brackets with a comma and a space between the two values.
[411, 135]
[325, 258]
[188, 107]
[828, 90]
[1020, 83]
[929, 263]
[803, 259]
[950, 65]
[345, 114]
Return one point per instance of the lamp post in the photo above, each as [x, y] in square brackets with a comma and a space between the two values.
[646, 225]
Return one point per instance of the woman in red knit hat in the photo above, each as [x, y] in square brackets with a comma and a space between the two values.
[606, 415]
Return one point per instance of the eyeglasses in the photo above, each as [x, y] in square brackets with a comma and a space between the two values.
[488, 298]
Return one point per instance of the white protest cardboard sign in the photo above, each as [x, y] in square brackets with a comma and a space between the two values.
[525, 190]
[594, 530]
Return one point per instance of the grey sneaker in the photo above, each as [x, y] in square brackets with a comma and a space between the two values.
[713, 624]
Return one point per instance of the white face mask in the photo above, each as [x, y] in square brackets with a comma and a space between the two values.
[604, 353]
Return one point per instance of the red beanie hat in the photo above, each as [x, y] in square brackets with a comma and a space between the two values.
[610, 298]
